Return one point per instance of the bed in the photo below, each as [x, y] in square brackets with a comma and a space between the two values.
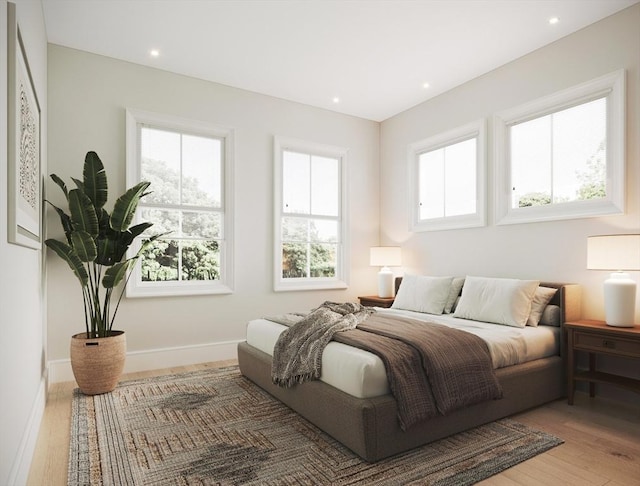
[352, 402]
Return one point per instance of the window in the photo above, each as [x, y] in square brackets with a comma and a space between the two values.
[189, 167]
[448, 180]
[310, 222]
[562, 156]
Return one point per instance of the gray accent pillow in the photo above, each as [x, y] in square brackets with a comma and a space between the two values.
[540, 300]
[454, 293]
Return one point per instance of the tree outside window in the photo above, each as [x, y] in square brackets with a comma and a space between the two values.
[187, 163]
[560, 157]
[310, 224]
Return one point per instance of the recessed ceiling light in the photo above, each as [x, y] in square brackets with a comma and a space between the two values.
[336, 99]
[425, 85]
[554, 20]
[154, 52]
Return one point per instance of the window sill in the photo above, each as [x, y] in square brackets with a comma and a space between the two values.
[296, 286]
[172, 290]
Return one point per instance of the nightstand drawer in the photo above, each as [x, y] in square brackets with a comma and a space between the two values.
[606, 344]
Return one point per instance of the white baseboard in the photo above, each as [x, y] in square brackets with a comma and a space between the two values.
[19, 473]
[152, 359]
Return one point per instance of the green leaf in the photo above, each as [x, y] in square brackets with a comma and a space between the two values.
[79, 183]
[84, 246]
[65, 221]
[106, 250]
[126, 205]
[130, 235]
[103, 223]
[95, 180]
[121, 246]
[61, 184]
[138, 229]
[83, 213]
[68, 254]
[114, 274]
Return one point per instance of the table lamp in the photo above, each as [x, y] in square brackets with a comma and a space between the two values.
[385, 257]
[616, 253]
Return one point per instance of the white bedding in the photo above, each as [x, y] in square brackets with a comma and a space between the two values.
[362, 374]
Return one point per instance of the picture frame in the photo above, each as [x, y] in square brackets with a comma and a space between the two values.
[25, 186]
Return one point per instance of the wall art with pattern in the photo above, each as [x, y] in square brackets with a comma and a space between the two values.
[24, 178]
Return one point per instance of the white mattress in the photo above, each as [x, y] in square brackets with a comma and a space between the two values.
[362, 374]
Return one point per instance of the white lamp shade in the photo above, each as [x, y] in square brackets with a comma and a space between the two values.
[616, 252]
[385, 256]
[613, 252]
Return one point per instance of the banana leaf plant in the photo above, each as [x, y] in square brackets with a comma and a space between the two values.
[97, 242]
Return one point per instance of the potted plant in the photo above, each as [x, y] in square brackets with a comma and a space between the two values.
[95, 250]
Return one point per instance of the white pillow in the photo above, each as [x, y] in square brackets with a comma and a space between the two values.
[423, 294]
[540, 300]
[454, 293]
[499, 300]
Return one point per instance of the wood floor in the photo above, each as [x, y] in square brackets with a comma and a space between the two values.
[602, 441]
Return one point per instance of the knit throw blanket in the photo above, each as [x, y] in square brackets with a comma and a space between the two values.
[432, 369]
[297, 355]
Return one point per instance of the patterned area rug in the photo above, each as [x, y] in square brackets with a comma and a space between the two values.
[217, 427]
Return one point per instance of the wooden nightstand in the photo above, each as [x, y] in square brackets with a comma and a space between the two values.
[595, 337]
[375, 301]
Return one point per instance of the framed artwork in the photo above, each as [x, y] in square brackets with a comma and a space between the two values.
[24, 178]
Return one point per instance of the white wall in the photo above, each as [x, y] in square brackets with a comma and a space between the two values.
[22, 302]
[551, 251]
[88, 95]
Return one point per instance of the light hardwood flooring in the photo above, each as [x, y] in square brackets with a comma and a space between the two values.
[602, 440]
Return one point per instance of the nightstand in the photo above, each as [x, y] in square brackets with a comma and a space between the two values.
[375, 301]
[595, 337]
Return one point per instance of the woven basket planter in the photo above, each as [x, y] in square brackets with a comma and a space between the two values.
[97, 363]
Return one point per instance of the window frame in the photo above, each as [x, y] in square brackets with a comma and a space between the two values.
[610, 86]
[135, 120]
[341, 279]
[477, 130]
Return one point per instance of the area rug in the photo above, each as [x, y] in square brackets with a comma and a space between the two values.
[216, 427]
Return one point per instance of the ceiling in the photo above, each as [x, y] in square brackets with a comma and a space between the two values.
[374, 56]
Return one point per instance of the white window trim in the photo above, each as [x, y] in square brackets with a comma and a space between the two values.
[341, 280]
[137, 288]
[613, 86]
[476, 130]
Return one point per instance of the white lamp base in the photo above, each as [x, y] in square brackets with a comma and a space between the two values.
[619, 300]
[385, 282]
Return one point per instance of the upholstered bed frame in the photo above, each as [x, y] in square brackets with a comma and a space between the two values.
[369, 427]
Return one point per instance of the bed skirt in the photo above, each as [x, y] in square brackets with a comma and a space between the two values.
[369, 427]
